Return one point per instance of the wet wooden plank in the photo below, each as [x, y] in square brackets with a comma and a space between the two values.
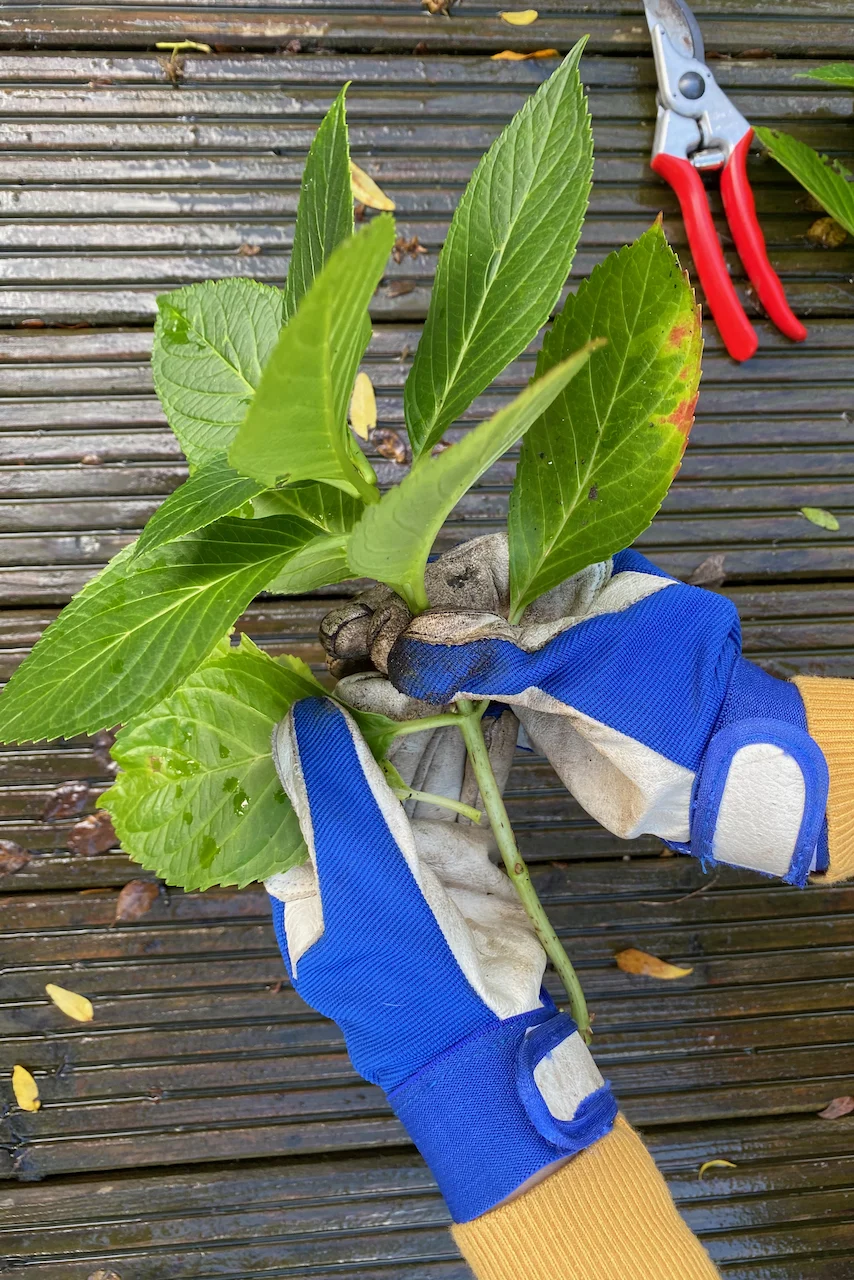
[818, 30]
[192, 1035]
[385, 1213]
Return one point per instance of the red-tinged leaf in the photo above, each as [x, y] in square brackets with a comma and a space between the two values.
[837, 1108]
[135, 900]
[595, 468]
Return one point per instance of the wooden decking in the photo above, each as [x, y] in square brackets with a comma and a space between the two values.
[207, 1124]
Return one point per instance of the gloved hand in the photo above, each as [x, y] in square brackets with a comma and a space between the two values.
[403, 932]
[633, 685]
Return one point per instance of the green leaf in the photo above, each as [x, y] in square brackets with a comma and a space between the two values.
[824, 519]
[508, 253]
[211, 342]
[393, 539]
[325, 210]
[595, 468]
[198, 800]
[826, 180]
[296, 428]
[141, 626]
[214, 491]
[835, 73]
[331, 509]
[321, 563]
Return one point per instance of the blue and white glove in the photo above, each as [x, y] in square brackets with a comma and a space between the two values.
[403, 932]
[634, 687]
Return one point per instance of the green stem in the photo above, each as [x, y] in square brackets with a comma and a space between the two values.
[415, 596]
[472, 731]
[443, 802]
[426, 722]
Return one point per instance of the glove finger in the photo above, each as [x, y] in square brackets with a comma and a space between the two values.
[358, 836]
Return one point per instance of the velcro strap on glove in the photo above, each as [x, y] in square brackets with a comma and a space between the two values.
[479, 1113]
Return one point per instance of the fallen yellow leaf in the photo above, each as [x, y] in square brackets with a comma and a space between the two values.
[510, 55]
[366, 191]
[633, 961]
[70, 1003]
[25, 1089]
[716, 1164]
[519, 17]
[363, 407]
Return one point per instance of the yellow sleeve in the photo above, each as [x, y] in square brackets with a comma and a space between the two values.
[606, 1215]
[829, 704]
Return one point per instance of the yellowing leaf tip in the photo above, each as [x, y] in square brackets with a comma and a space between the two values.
[366, 191]
[641, 962]
[519, 17]
[363, 406]
[25, 1089]
[70, 1003]
[715, 1164]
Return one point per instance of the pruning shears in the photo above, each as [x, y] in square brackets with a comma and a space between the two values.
[698, 128]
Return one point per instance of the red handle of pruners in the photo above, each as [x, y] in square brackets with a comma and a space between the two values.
[736, 330]
[740, 209]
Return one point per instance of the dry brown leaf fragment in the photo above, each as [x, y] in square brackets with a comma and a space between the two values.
[70, 1003]
[249, 251]
[714, 1164]
[66, 801]
[438, 6]
[827, 233]
[12, 857]
[102, 1274]
[634, 961]
[837, 1108]
[25, 1089]
[95, 834]
[366, 191]
[363, 406]
[709, 572]
[402, 248]
[390, 444]
[135, 900]
[510, 55]
[398, 288]
[518, 17]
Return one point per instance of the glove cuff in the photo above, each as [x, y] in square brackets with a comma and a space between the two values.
[760, 795]
[478, 1113]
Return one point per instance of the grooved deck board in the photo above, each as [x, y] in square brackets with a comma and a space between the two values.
[207, 1124]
